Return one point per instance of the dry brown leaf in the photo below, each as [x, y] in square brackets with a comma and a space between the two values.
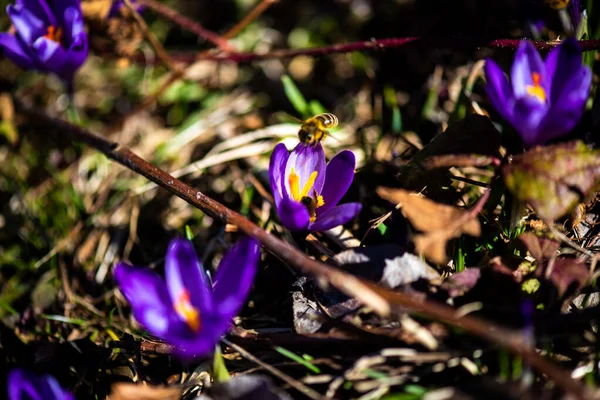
[96, 9]
[438, 222]
[132, 391]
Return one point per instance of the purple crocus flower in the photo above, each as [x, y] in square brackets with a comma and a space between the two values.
[306, 192]
[183, 309]
[25, 385]
[47, 39]
[546, 100]
[574, 9]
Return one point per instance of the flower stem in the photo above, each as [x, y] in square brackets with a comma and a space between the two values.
[220, 372]
[72, 114]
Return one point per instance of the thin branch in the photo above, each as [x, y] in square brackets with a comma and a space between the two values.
[382, 44]
[249, 18]
[187, 24]
[299, 386]
[158, 47]
[383, 301]
[177, 74]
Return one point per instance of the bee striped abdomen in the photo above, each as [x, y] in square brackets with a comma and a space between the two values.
[314, 129]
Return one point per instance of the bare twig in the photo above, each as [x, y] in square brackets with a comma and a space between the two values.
[383, 301]
[251, 16]
[187, 24]
[177, 74]
[158, 47]
[299, 386]
[381, 44]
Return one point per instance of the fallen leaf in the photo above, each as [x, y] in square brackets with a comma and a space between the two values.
[462, 138]
[554, 179]
[245, 387]
[132, 391]
[460, 283]
[387, 264]
[541, 249]
[569, 274]
[439, 222]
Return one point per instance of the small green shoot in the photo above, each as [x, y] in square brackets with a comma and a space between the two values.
[220, 372]
[66, 320]
[389, 95]
[382, 228]
[295, 96]
[293, 356]
[459, 262]
[188, 233]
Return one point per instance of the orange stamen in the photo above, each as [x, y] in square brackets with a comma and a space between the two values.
[54, 33]
[536, 90]
[189, 313]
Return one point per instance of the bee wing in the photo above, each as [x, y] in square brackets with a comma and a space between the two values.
[282, 116]
[333, 137]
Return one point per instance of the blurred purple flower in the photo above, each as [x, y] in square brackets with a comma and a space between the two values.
[306, 192]
[183, 309]
[24, 385]
[47, 39]
[546, 100]
[117, 5]
[574, 9]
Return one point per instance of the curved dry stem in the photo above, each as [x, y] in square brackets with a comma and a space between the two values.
[385, 302]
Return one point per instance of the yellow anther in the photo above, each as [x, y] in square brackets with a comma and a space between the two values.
[536, 90]
[309, 184]
[320, 201]
[294, 182]
[54, 33]
[189, 313]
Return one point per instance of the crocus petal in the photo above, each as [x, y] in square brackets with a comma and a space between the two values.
[13, 49]
[51, 56]
[77, 42]
[305, 160]
[527, 118]
[184, 273]
[235, 276]
[73, 26]
[338, 215]
[41, 9]
[567, 112]
[574, 9]
[338, 177]
[61, 6]
[498, 89]
[29, 27]
[562, 64]
[527, 61]
[23, 384]
[201, 344]
[147, 294]
[75, 57]
[293, 215]
[276, 172]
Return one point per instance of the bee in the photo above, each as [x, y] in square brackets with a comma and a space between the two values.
[310, 204]
[314, 130]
